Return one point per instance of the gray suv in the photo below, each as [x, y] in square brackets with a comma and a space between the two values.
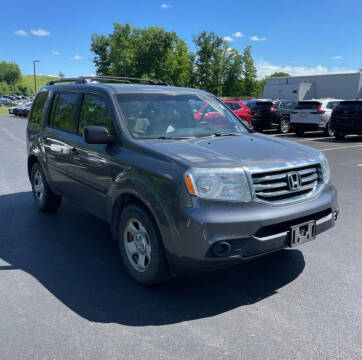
[182, 190]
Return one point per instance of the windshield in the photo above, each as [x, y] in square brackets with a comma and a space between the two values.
[154, 115]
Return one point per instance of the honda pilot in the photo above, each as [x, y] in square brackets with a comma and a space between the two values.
[182, 191]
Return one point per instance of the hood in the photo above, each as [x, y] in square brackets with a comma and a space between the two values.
[250, 150]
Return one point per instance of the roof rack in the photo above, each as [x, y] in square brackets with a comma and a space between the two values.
[113, 79]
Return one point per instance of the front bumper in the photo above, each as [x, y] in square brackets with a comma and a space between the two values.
[251, 229]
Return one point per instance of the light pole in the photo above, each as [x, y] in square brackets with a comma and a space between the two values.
[35, 61]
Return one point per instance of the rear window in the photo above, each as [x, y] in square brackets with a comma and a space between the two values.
[264, 105]
[332, 104]
[307, 105]
[37, 108]
[350, 105]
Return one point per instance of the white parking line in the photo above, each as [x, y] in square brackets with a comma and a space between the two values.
[11, 136]
[341, 147]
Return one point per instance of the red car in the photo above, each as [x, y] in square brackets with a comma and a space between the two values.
[239, 109]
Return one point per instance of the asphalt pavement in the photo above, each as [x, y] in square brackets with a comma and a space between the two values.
[65, 295]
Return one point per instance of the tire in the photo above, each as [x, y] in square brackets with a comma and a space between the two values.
[339, 136]
[44, 198]
[284, 126]
[141, 247]
[299, 132]
[328, 131]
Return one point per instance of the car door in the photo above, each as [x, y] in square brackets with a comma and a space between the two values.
[57, 138]
[91, 164]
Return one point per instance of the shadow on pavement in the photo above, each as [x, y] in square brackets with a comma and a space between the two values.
[73, 256]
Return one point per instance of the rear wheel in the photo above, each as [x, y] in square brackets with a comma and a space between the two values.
[141, 246]
[284, 126]
[339, 136]
[328, 131]
[44, 198]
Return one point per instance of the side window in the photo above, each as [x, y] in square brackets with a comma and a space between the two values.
[64, 111]
[236, 106]
[230, 105]
[94, 111]
[37, 108]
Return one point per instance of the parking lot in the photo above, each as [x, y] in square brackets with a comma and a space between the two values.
[65, 295]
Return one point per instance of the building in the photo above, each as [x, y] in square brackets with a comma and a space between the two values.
[339, 86]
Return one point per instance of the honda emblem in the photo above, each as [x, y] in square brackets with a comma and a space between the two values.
[294, 180]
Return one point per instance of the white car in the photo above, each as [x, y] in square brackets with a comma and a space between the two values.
[313, 115]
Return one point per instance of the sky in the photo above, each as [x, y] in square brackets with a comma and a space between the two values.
[297, 37]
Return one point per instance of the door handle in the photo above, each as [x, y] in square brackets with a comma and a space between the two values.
[74, 151]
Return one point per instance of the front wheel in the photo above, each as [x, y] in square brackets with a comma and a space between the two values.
[44, 198]
[284, 126]
[141, 246]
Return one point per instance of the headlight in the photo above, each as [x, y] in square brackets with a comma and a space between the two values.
[325, 168]
[218, 183]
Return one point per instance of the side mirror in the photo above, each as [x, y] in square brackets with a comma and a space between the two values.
[97, 135]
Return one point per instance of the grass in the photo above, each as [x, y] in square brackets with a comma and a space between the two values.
[41, 80]
[4, 110]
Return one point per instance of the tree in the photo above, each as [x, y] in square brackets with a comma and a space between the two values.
[249, 73]
[10, 73]
[210, 62]
[60, 74]
[233, 84]
[149, 53]
[279, 74]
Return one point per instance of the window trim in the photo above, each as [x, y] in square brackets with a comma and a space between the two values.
[43, 113]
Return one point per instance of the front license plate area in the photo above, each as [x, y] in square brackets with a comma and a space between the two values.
[302, 233]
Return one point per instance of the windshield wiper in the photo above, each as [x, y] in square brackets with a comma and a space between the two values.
[223, 134]
[170, 137]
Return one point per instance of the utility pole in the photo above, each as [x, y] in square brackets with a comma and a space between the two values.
[35, 61]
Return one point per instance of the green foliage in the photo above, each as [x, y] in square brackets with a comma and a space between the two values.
[149, 53]
[60, 74]
[4, 87]
[161, 55]
[278, 74]
[249, 73]
[9, 72]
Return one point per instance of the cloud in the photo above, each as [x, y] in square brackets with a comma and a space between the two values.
[77, 57]
[265, 68]
[54, 52]
[257, 38]
[238, 34]
[21, 33]
[338, 57]
[40, 32]
[166, 6]
[228, 38]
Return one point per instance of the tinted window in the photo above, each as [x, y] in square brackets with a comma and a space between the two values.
[332, 104]
[265, 105]
[63, 112]
[311, 105]
[37, 108]
[230, 105]
[236, 106]
[94, 112]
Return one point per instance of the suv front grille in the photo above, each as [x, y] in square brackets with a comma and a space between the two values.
[273, 186]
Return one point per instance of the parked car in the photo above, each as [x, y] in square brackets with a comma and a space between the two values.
[24, 110]
[281, 120]
[239, 109]
[179, 193]
[262, 115]
[313, 115]
[347, 119]
[5, 101]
